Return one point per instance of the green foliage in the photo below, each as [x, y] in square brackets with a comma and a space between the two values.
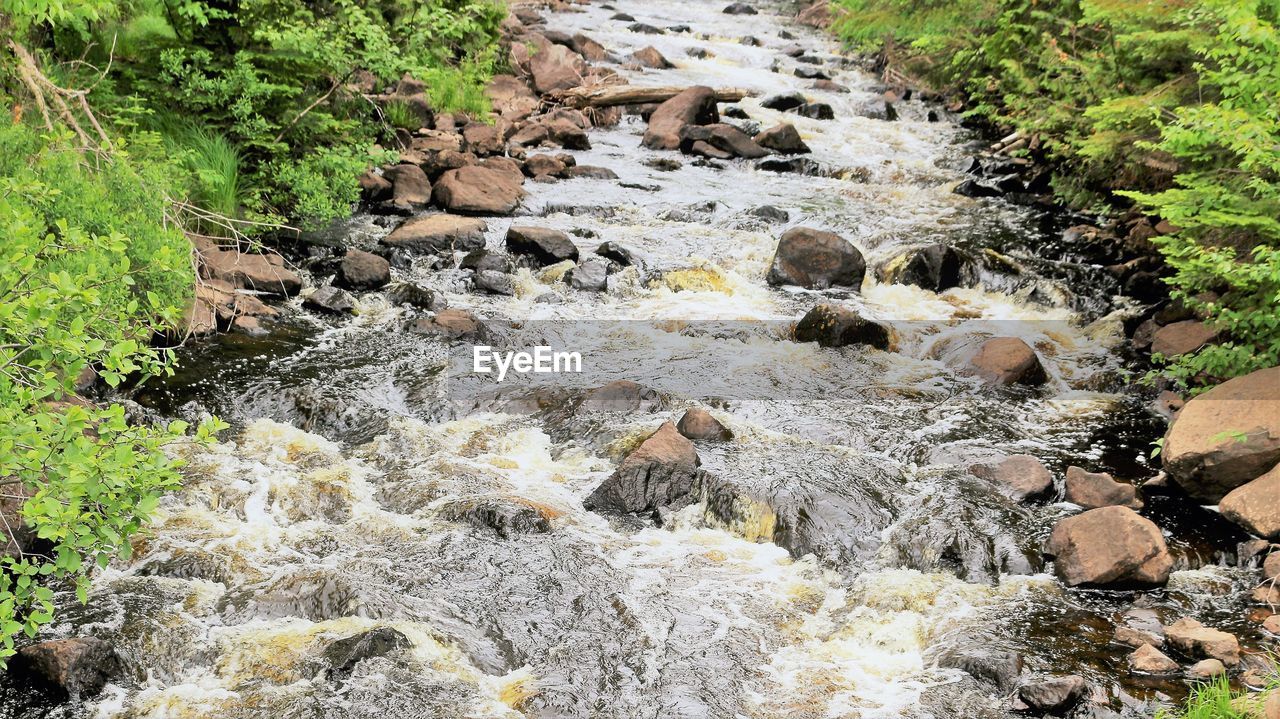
[1164, 103]
[398, 114]
[217, 182]
[88, 272]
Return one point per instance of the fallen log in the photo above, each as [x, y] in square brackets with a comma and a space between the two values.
[608, 95]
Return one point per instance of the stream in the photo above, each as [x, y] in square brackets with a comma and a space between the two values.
[370, 481]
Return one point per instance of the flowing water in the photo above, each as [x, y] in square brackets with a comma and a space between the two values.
[844, 546]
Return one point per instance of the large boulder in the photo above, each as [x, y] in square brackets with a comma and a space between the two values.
[360, 270]
[1179, 338]
[816, 259]
[728, 139]
[836, 326]
[1004, 361]
[261, 272]
[659, 473]
[934, 267]
[77, 667]
[693, 106]
[697, 423]
[1256, 507]
[438, 232]
[476, 190]
[782, 138]
[410, 188]
[1019, 477]
[1109, 546]
[1226, 437]
[1097, 489]
[543, 244]
[552, 67]
[511, 97]
[1196, 641]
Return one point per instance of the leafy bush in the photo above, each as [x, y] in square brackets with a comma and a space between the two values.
[88, 272]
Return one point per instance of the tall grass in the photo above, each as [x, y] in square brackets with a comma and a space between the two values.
[215, 163]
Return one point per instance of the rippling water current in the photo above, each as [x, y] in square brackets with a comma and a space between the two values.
[339, 502]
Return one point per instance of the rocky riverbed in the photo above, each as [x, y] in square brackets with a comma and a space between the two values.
[858, 433]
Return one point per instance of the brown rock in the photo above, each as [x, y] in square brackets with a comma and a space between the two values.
[1256, 507]
[1054, 695]
[659, 473]
[505, 165]
[1206, 669]
[815, 259]
[725, 138]
[1131, 637]
[650, 57]
[410, 186]
[567, 134]
[590, 49]
[1226, 437]
[1197, 641]
[478, 190]
[362, 270]
[374, 187]
[438, 232]
[816, 15]
[1092, 490]
[620, 396]
[782, 138]
[838, 326]
[1003, 361]
[699, 424]
[77, 667]
[483, 140]
[1268, 594]
[552, 67]
[1271, 565]
[694, 106]
[1149, 660]
[1109, 546]
[261, 272]
[451, 323]
[1272, 624]
[1182, 338]
[541, 165]
[1020, 477]
[545, 245]
[511, 97]
[430, 141]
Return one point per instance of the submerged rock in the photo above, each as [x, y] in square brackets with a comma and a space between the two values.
[344, 654]
[620, 396]
[934, 267]
[408, 293]
[816, 259]
[78, 667]
[1109, 546]
[836, 326]
[739, 8]
[659, 473]
[1097, 489]
[1020, 477]
[997, 667]
[330, 299]
[698, 423]
[505, 517]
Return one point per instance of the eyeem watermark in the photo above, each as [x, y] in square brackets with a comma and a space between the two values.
[542, 360]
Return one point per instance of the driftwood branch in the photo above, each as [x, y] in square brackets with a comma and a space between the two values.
[607, 95]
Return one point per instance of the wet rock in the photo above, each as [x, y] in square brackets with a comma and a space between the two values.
[975, 188]
[362, 270]
[934, 267]
[739, 8]
[482, 260]
[816, 111]
[1109, 546]
[374, 187]
[837, 326]
[451, 324]
[659, 473]
[542, 244]
[344, 654]
[771, 213]
[1146, 659]
[830, 86]
[567, 134]
[330, 299]
[650, 57]
[483, 140]
[998, 667]
[408, 293]
[1193, 639]
[1182, 338]
[261, 272]
[815, 259]
[591, 275]
[507, 518]
[613, 251]
[1271, 565]
[495, 283]
[590, 49]
[438, 233]
[797, 165]
[1053, 696]
[811, 73]
[1020, 477]
[784, 101]
[1140, 626]
[1092, 490]
[590, 172]
[620, 396]
[702, 148]
[78, 667]
[1272, 624]
[694, 106]
[751, 41]
[622, 17]
[698, 424]
[410, 187]
[543, 165]
[663, 164]
[736, 112]
[782, 138]
[1206, 669]
[644, 29]
[1226, 437]
[726, 138]
[478, 190]
[1003, 361]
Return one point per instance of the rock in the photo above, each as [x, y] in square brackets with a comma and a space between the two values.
[974, 188]
[811, 73]
[784, 101]
[1109, 546]
[816, 15]
[590, 172]
[644, 29]
[495, 283]
[592, 275]
[407, 293]
[505, 517]
[264, 272]
[478, 190]
[659, 473]
[438, 233]
[771, 213]
[1140, 626]
[613, 251]
[433, 141]
[620, 396]
[451, 324]
[1226, 437]
[552, 67]
[330, 299]
[1197, 641]
[739, 8]
[77, 668]
[1146, 659]
[837, 326]
[1206, 669]
[374, 187]
[1019, 477]
[1268, 594]
[543, 244]
[725, 138]
[622, 17]
[693, 106]
[1131, 637]
[703, 148]
[1092, 490]
[1053, 696]
[590, 49]
[481, 260]
[1182, 338]
[344, 654]
[410, 187]
[567, 134]
[1271, 565]
[934, 267]
[797, 165]
[815, 259]
[782, 138]
[483, 140]
[1272, 624]
[698, 424]
[816, 111]
[362, 270]
[650, 57]
[1256, 507]
[1271, 707]
[830, 86]
[997, 667]
[541, 165]
[1003, 361]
